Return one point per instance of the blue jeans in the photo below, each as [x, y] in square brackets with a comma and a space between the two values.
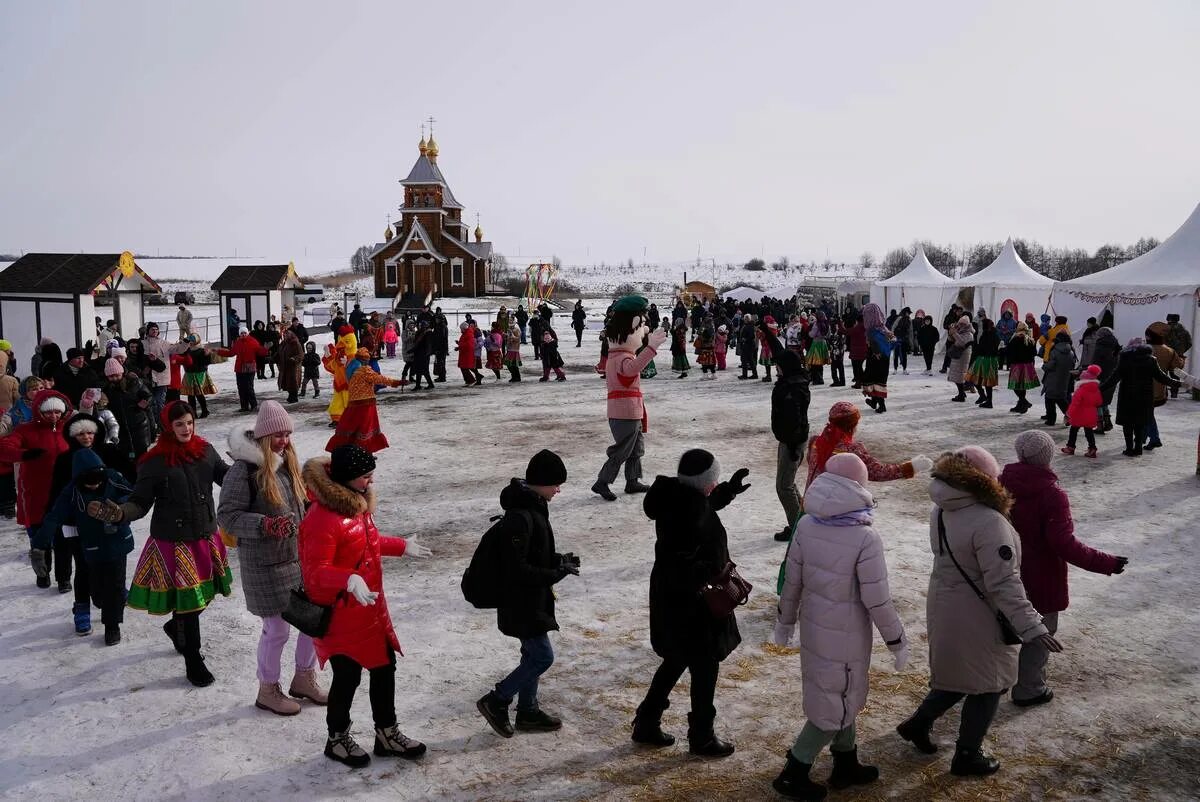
[158, 400]
[536, 659]
[1152, 428]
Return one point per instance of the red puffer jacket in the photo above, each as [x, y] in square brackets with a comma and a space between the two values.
[247, 351]
[35, 476]
[338, 538]
[1041, 514]
[1085, 404]
[466, 349]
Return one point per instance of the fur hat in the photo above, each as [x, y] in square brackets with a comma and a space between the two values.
[698, 469]
[79, 424]
[980, 459]
[545, 468]
[348, 462]
[73, 353]
[272, 419]
[1034, 447]
[113, 368]
[52, 403]
[848, 466]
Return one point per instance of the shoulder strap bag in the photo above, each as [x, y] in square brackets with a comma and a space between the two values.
[1007, 633]
[309, 617]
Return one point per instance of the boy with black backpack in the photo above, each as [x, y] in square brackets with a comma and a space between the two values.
[519, 551]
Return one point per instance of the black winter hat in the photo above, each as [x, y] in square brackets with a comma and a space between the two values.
[546, 468]
[790, 363]
[698, 468]
[349, 462]
[74, 352]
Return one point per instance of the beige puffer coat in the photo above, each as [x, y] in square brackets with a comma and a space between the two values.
[837, 581]
[962, 336]
[966, 651]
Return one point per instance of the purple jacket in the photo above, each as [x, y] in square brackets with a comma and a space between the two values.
[1041, 514]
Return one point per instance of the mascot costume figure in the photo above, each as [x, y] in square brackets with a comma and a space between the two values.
[627, 417]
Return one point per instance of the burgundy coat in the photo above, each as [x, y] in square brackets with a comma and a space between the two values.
[1041, 514]
[858, 341]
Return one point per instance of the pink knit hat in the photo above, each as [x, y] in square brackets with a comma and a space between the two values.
[113, 368]
[980, 459]
[1093, 371]
[272, 419]
[848, 466]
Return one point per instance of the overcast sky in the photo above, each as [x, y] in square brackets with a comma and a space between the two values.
[596, 129]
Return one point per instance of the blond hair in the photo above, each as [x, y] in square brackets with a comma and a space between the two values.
[266, 477]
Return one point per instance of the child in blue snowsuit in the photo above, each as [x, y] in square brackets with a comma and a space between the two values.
[105, 546]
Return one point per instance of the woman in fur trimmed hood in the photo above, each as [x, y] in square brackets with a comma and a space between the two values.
[262, 503]
[341, 554]
[973, 543]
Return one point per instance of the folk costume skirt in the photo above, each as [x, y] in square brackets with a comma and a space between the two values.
[180, 576]
[984, 371]
[818, 354]
[1022, 376]
[359, 425]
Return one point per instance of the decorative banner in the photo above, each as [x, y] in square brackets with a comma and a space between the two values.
[1010, 305]
[125, 264]
[539, 282]
[1105, 298]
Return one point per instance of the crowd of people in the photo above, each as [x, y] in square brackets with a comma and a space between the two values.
[102, 436]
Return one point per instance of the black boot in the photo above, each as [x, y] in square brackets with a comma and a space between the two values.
[703, 741]
[916, 729]
[636, 487]
[847, 771]
[496, 713]
[647, 730]
[537, 721]
[197, 673]
[188, 629]
[793, 782]
[601, 489]
[881, 406]
[972, 763]
[784, 535]
[172, 632]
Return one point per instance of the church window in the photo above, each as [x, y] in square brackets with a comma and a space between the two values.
[456, 273]
[389, 275]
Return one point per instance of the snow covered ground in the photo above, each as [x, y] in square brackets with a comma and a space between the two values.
[84, 721]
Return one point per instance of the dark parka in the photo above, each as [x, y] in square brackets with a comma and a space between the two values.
[528, 564]
[180, 494]
[691, 549]
[1136, 372]
[135, 437]
[1056, 381]
[789, 398]
[1105, 353]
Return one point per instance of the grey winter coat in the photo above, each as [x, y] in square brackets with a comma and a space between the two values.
[837, 583]
[964, 337]
[269, 567]
[1056, 370]
[966, 651]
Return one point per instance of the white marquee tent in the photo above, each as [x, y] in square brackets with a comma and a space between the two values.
[745, 294]
[1143, 290]
[1008, 280]
[919, 286]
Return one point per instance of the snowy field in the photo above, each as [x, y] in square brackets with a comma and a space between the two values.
[84, 721]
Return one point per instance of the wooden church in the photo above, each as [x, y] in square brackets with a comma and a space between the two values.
[430, 251]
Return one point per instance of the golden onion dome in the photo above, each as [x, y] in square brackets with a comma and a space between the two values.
[431, 149]
[421, 146]
[478, 232]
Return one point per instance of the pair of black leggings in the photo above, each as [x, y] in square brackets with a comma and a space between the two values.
[1052, 408]
[703, 689]
[1090, 434]
[978, 711]
[347, 673]
[928, 354]
[198, 402]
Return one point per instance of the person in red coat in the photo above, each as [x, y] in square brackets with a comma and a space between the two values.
[247, 351]
[36, 444]
[1041, 514]
[857, 340]
[341, 567]
[466, 355]
[1084, 411]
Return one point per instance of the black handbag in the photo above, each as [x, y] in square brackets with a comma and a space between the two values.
[306, 615]
[309, 617]
[1007, 633]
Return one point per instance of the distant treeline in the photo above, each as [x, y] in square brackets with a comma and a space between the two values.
[1060, 264]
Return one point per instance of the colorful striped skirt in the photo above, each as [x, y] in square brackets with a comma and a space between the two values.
[680, 364]
[359, 425]
[1022, 376]
[984, 371]
[180, 577]
[818, 354]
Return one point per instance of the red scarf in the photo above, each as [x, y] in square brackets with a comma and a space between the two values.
[170, 449]
[824, 444]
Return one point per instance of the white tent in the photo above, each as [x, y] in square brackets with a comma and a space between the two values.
[918, 286]
[1010, 283]
[745, 294]
[1160, 282]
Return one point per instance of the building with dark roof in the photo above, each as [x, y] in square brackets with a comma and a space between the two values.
[54, 295]
[255, 292]
[429, 252]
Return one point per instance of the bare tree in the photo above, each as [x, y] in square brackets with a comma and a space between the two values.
[361, 262]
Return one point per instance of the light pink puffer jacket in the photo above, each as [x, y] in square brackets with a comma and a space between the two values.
[837, 582]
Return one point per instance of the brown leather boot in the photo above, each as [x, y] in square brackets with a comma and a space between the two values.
[270, 697]
[304, 686]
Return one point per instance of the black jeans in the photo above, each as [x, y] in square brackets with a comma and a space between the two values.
[8, 492]
[978, 711]
[420, 370]
[67, 549]
[1074, 435]
[900, 357]
[1052, 408]
[837, 371]
[245, 388]
[346, 676]
[703, 689]
[856, 366]
[578, 337]
[928, 354]
[199, 402]
[106, 579]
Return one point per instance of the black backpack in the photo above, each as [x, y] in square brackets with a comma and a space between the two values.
[482, 582]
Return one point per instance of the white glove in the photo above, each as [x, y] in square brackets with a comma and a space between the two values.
[900, 656]
[356, 586]
[784, 634]
[657, 338]
[1187, 379]
[921, 464]
[414, 549]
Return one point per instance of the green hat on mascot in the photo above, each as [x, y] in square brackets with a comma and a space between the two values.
[633, 304]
